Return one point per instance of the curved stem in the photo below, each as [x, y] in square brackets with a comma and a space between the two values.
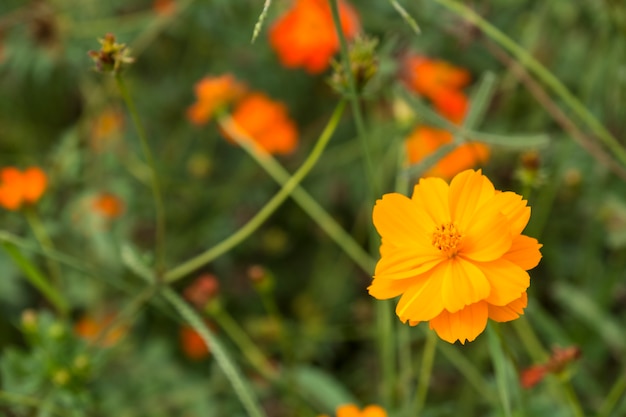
[540, 72]
[154, 180]
[44, 240]
[271, 206]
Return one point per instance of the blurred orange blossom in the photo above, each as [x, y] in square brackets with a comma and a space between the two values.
[192, 344]
[108, 205]
[90, 328]
[305, 35]
[18, 188]
[212, 93]
[351, 410]
[455, 253]
[266, 122]
[424, 141]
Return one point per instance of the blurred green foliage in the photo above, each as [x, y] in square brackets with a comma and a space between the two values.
[50, 99]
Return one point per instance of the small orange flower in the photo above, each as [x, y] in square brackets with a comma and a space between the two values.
[424, 141]
[455, 253]
[106, 129]
[212, 93]
[90, 328]
[432, 78]
[192, 343]
[202, 290]
[18, 188]
[164, 7]
[559, 360]
[108, 205]
[267, 123]
[351, 410]
[305, 36]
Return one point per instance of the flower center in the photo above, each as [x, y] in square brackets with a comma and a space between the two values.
[446, 238]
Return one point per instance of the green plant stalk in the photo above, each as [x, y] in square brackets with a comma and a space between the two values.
[37, 279]
[426, 370]
[154, 179]
[301, 197]
[251, 352]
[44, 240]
[472, 375]
[615, 395]
[541, 73]
[239, 384]
[253, 224]
[260, 20]
[499, 360]
[406, 16]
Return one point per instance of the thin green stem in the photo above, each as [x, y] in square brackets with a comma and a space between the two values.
[428, 359]
[154, 179]
[343, 239]
[541, 73]
[354, 102]
[44, 240]
[499, 361]
[37, 279]
[615, 395]
[271, 206]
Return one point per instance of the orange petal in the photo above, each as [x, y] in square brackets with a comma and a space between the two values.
[348, 410]
[373, 411]
[423, 300]
[464, 325]
[35, 182]
[469, 190]
[509, 312]
[514, 209]
[463, 284]
[431, 194]
[524, 252]
[507, 280]
[403, 223]
[407, 262]
[11, 186]
[487, 235]
[383, 289]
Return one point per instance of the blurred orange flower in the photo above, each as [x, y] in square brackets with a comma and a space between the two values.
[164, 7]
[455, 253]
[212, 93]
[91, 327]
[305, 36]
[106, 129]
[351, 410]
[192, 344]
[108, 205]
[432, 78]
[18, 188]
[424, 141]
[266, 122]
[202, 290]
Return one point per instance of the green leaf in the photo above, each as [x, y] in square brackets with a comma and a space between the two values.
[322, 388]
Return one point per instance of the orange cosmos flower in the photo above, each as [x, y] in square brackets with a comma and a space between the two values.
[90, 328]
[432, 78]
[351, 410]
[106, 129]
[455, 253]
[424, 141]
[164, 7]
[561, 357]
[305, 36]
[267, 123]
[108, 205]
[18, 188]
[192, 343]
[213, 93]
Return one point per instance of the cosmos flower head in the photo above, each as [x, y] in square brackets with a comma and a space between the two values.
[455, 253]
[20, 188]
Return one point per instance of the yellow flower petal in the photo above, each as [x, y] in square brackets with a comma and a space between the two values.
[402, 222]
[463, 284]
[506, 279]
[400, 263]
[431, 194]
[514, 208]
[510, 311]
[487, 237]
[383, 289]
[348, 410]
[524, 252]
[423, 300]
[469, 190]
[464, 325]
[373, 411]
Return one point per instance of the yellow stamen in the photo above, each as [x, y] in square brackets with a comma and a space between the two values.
[446, 238]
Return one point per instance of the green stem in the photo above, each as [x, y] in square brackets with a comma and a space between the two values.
[428, 359]
[37, 279]
[271, 206]
[354, 102]
[44, 240]
[239, 384]
[343, 239]
[540, 72]
[615, 395]
[154, 180]
[499, 360]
